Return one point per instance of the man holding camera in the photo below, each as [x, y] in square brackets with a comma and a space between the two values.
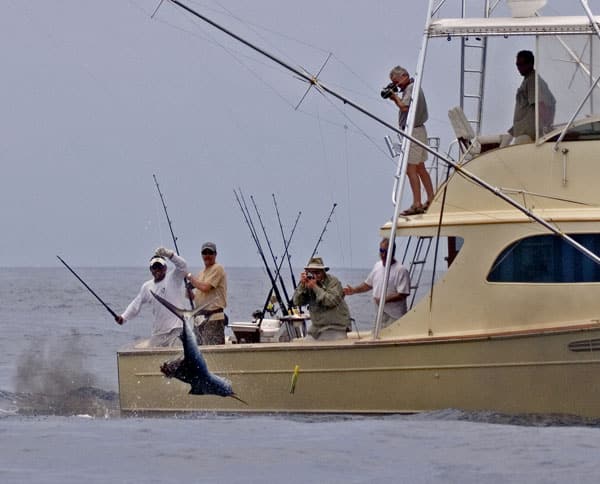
[323, 293]
[416, 171]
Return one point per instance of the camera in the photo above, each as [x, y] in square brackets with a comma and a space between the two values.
[310, 276]
[388, 90]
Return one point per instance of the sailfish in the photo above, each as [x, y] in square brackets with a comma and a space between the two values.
[192, 368]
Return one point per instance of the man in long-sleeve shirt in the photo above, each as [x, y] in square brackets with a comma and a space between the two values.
[329, 313]
[170, 284]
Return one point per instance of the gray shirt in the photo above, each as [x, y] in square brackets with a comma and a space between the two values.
[524, 116]
[421, 115]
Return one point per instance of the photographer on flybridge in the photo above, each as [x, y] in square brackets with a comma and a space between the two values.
[416, 171]
[324, 295]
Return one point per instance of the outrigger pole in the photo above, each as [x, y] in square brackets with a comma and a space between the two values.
[89, 289]
[407, 137]
[162, 199]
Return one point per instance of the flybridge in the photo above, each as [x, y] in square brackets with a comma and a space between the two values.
[508, 26]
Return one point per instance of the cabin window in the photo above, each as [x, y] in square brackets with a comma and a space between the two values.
[583, 132]
[547, 259]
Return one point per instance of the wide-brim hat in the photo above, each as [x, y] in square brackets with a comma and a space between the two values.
[316, 264]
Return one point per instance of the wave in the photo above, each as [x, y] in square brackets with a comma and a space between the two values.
[83, 401]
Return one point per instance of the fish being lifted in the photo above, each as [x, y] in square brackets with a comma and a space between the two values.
[192, 369]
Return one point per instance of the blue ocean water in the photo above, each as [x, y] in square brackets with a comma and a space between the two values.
[59, 419]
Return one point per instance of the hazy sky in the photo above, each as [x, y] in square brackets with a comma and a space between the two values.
[96, 97]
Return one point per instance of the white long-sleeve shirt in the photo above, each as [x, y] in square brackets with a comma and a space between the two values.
[172, 288]
[398, 282]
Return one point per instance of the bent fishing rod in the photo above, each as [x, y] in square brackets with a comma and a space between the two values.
[313, 80]
[254, 235]
[115, 315]
[164, 204]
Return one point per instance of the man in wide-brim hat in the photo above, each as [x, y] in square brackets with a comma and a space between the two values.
[324, 295]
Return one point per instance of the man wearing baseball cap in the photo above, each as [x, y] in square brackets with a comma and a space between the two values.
[210, 293]
[169, 284]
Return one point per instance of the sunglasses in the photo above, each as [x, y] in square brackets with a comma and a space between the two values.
[382, 251]
[208, 252]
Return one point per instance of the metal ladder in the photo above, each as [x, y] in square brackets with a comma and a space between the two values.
[417, 264]
[472, 75]
[472, 80]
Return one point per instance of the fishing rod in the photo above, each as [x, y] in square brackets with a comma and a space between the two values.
[162, 199]
[188, 285]
[323, 231]
[115, 315]
[285, 246]
[275, 263]
[254, 235]
[314, 81]
[409, 137]
[261, 252]
[250, 225]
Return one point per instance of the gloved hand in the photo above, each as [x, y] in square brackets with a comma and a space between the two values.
[164, 252]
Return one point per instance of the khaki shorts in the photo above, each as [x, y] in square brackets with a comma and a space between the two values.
[417, 154]
[210, 332]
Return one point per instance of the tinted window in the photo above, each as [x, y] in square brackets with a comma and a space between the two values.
[547, 258]
[583, 132]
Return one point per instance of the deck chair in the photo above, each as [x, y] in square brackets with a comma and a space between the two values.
[471, 145]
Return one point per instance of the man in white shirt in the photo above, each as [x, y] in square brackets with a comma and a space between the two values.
[398, 288]
[167, 327]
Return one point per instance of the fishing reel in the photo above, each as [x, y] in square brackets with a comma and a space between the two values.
[387, 91]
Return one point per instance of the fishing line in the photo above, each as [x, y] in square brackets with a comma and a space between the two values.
[359, 129]
[330, 176]
[233, 53]
[238, 55]
[255, 28]
[348, 196]
[371, 93]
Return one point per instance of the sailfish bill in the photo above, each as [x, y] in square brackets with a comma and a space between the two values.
[192, 368]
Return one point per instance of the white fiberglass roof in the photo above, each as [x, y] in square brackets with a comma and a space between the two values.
[505, 26]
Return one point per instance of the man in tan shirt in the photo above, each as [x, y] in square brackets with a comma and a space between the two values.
[210, 293]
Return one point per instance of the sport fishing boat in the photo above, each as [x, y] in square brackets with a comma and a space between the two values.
[513, 325]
